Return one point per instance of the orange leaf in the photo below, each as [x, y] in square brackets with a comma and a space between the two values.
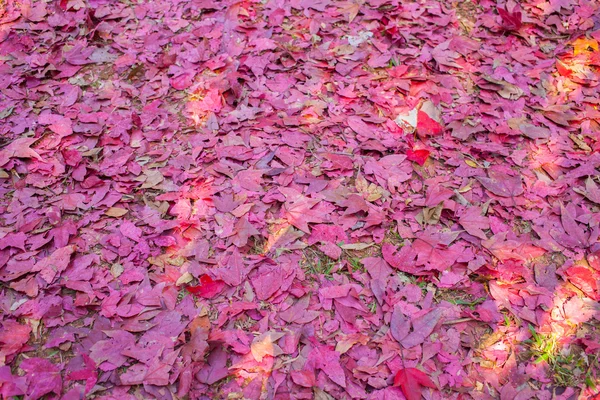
[583, 45]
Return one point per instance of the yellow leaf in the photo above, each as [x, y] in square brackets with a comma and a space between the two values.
[471, 163]
[583, 45]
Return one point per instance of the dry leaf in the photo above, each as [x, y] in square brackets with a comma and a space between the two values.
[264, 345]
[116, 212]
[116, 270]
[186, 277]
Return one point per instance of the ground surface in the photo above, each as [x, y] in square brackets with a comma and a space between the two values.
[299, 199]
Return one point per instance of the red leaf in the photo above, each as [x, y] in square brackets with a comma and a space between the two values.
[418, 156]
[427, 126]
[563, 69]
[410, 381]
[208, 288]
[89, 374]
[389, 29]
[585, 280]
[511, 21]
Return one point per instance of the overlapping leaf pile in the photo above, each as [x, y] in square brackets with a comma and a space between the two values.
[299, 199]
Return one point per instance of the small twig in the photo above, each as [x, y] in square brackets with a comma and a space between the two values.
[458, 321]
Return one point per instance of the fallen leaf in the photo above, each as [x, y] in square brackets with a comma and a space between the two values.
[502, 184]
[422, 327]
[584, 45]
[208, 288]
[19, 148]
[265, 345]
[418, 156]
[411, 381]
[511, 20]
[427, 126]
[116, 212]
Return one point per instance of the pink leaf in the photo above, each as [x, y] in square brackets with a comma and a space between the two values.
[512, 20]
[502, 184]
[422, 326]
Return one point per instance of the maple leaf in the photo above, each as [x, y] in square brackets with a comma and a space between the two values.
[592, 192]
[13, 336]
[208, 287]
[301, 212]
[418, 156]
[512, 20]
[267, 282]
[43, 376]
[265, 345]
[244, 230]
[423, 326]
[350, 10]
[557, 5]
[502, 184]
[585, 279]
[410, 381]
[215, 368]
[427, 126]
[55, 263]
[20, 148]
[389, 27]
[575, 235]
[89, 374]
[563, 68]
[359, 126]
[474, 223]
[584, 45]
[444, 55]
[504, 89]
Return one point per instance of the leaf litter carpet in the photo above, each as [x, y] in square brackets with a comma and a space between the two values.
[305, 199]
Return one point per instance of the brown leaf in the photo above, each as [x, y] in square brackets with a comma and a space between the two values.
[116, 212]
[506, 90]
